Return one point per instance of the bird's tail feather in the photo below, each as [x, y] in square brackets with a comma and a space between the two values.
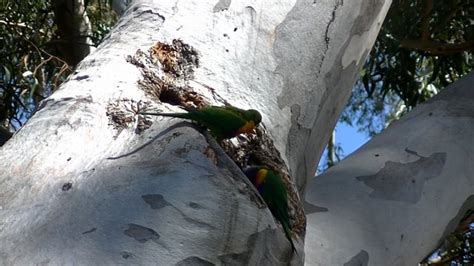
[178, 115]
[286, 229]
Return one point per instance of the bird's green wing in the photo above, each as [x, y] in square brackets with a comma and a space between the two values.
[275, 195]
[222, 122]
[234, 109]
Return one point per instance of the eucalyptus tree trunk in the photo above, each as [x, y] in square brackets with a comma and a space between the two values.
[394, 200]
[91, 181]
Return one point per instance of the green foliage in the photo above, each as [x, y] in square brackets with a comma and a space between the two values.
[30, 69]
[102, 19]
[20, 55]
[422, 47]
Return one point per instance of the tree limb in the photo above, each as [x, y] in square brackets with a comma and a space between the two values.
[436, 48]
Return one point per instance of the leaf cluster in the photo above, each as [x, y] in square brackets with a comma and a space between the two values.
[423, 46]
[30, 65]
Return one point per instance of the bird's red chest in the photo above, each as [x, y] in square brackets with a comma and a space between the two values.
[260, 177]
[249, 126]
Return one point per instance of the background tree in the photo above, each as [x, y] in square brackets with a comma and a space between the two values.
[401, 194]
[41, 43]
[423, 46]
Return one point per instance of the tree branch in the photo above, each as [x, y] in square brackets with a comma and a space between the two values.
[436, 48]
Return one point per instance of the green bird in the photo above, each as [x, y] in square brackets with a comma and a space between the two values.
[271, 188]
[224, 122]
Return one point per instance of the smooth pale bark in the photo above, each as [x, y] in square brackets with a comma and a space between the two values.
[76, 189]
[393, 200]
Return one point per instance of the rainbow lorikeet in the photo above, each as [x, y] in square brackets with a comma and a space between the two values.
[224, 122]
[271, 188]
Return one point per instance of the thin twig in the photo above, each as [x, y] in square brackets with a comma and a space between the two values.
[40, 50]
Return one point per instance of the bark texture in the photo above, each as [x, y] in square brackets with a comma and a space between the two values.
[393, 201]
[90, 181]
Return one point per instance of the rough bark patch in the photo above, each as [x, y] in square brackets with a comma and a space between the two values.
[122, 114]
[194, 261]
[404, 181]
[141, 233]
[361, 259]
[178, 59]
[166, 70]
[156, 201]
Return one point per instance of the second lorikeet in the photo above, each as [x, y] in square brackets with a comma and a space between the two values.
[271, 188]
[224, 122]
